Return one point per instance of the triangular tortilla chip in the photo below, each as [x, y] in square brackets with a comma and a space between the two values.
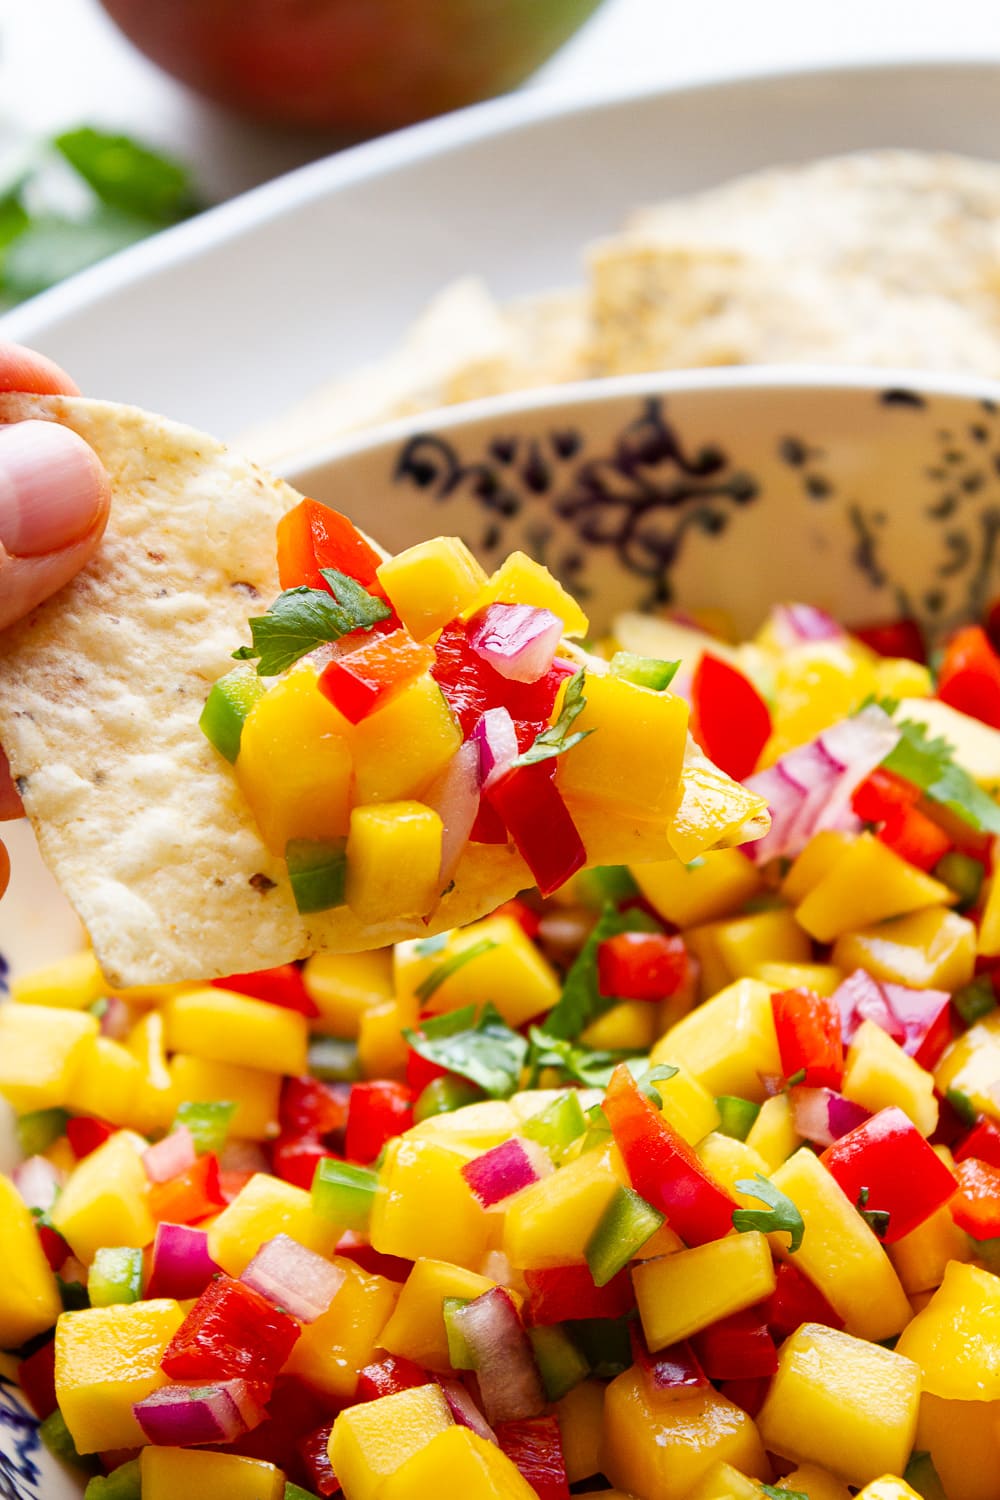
[141, 821]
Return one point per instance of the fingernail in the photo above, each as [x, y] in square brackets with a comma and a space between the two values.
[52, 488]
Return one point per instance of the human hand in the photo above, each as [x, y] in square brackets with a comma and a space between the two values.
[54, 498]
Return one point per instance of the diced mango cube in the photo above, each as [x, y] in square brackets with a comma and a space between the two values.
[822, 979]
[971, 1066]
[343, 986]
[382, 1049]
[155, 1104]
[431, 583]
[729, 1044]
[714, 811]
[166, 1473]
[416, 1328]
[40, 1051]
[988, 940]
[868, 883]
[332, 1351]
[687, 1104]
[928, 950]
[839, 1252]
[399, 749]
[29, 1297]
[976, 745]
[393, 861]
[816, 684]
[773, 1133]
[473, 1128]
[374, 1439]
[878, 1073]
[457, 1462]
[888, 1487]
[294, 766]
[728, 1161]
[955, 1340]
[266, 1206]
[745, 942]
[521, 580]
[511, 972]
[963, 1440]
[550, 1222]
[714, 974]
[713, 886]
[679, 1295]
[841, 1402]
[580, 1414]
[922, 1256]
[613, 765]
[255, 1093]
[818, 857]
[424, 1207]
[108, 1358]
[628, 1026]
[71, 983]
[816, 1483]
[108, 1083]
[225, 1027]
[106, 1202]
[654, 1445]
[723, 1482]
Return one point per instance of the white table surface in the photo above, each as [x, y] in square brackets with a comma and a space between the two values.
[62, 63]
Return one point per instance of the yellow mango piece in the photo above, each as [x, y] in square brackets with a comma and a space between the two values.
[521, 580]
[868, 883]
[371, 1441]
[109, 1082]
[166, 1473]
[332, 1351]
[431, 583]
[654, 1445]
[255, 1093]
[839, 1252]
[929, 950]
[817, 1483]
[401, 747]
[294, 766]
[687, 1104]
[679, 1295]
[841, 1402]
[580, 1414]
[728, 1160]
[888, 1487]
[773, 1135]
[715, 885]
[40, 1051]
[714, 974]
[106, 1202]
[473, 1128]
[971, 1066]
[988, 940]
[723, 1482]
[921, 1257]
[955, 1340]
[512, 973]
[963, 1440]
[264, 1207]
[549, 1223]
[629, 1026]
[107, 1358]
[729, 1043]
[877, 1073]
[225, 1027]
[745, 942]
[155, 1104]
[71, 983]
[29, 1297]
[714, 811]
[897, 677]
[382, 1048]
[976, 745]
[424, 1207]
[457, 1462]
[343, 986]
[393, 861]
[815, 685]
[822, 979]
[416, 1328]
[613, 765]
[818, 857]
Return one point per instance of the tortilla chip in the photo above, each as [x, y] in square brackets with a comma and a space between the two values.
[139, 818]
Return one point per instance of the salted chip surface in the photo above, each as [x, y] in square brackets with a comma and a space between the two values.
[139, 818]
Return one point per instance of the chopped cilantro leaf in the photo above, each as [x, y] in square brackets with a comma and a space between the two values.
[444, 970]
[486, 1051]
[588, 1066]
[929, 763]
[877, 1219]
[780, 1215]
[556, 740]
[659, 1074]
[301, 619]
[581, 1001]
[777, 1493]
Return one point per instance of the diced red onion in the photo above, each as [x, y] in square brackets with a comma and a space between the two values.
[822, 1115]
[518, 640]
[294, 1278]
[180, 1265]
[509, 1382]
[917, 1020]
[185, 1416]
[496, 739]
[845, 1115]
[37, 1181]
[796, 624]
[243, 1156]
[454, 796]
[676, 1370]
[171, 1156]
[464, 1409]
[506, 1169]
[116, 1020]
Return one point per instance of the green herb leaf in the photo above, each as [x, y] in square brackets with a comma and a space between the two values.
[486, 1050]
[128, 176]
[436, 978]
[556, 740]
[301, 619]
[795, 1079]
[659, 1074]
[51, 247]
[427, 947]
[877, 1219]
[779, 1494]
[588, 1066]
[780, 1214]
[598, 1129]
[581, 1001]
[929, 763]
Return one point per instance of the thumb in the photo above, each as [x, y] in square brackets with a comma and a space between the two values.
[54, 498]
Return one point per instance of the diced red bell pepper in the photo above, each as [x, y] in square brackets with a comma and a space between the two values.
[642, 965]
[539, 823]
[919, 1021]
[366, 678]
[231, 1331]
[747, 1394]
[903, 1175]
[882, 795]
[377, 1111]
[534, 1445]
[310, 1107]
[388, 1375]
[796, 1300]
[281, 986]
[559, 1293]
[420, 1071]
[313, 536]
[232, 1181]
[969, 679]
[85, 1134]
[315, 1451]
[976, 1206]
[193, 1194]
[354, 1247]
[674, 1370]
[915, 837]
[527, 918]
[738, 1347]
[893, 638]
[293, 1410]
[295, 1158]
[982, 1142]
[489, 827]
[36, 1376]
[471, 686]
[809, 1037]
[729, 718]
[54, 1246]
[662, 1166]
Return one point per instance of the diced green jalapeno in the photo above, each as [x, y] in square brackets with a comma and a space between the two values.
[317, 869]
[226, 708]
